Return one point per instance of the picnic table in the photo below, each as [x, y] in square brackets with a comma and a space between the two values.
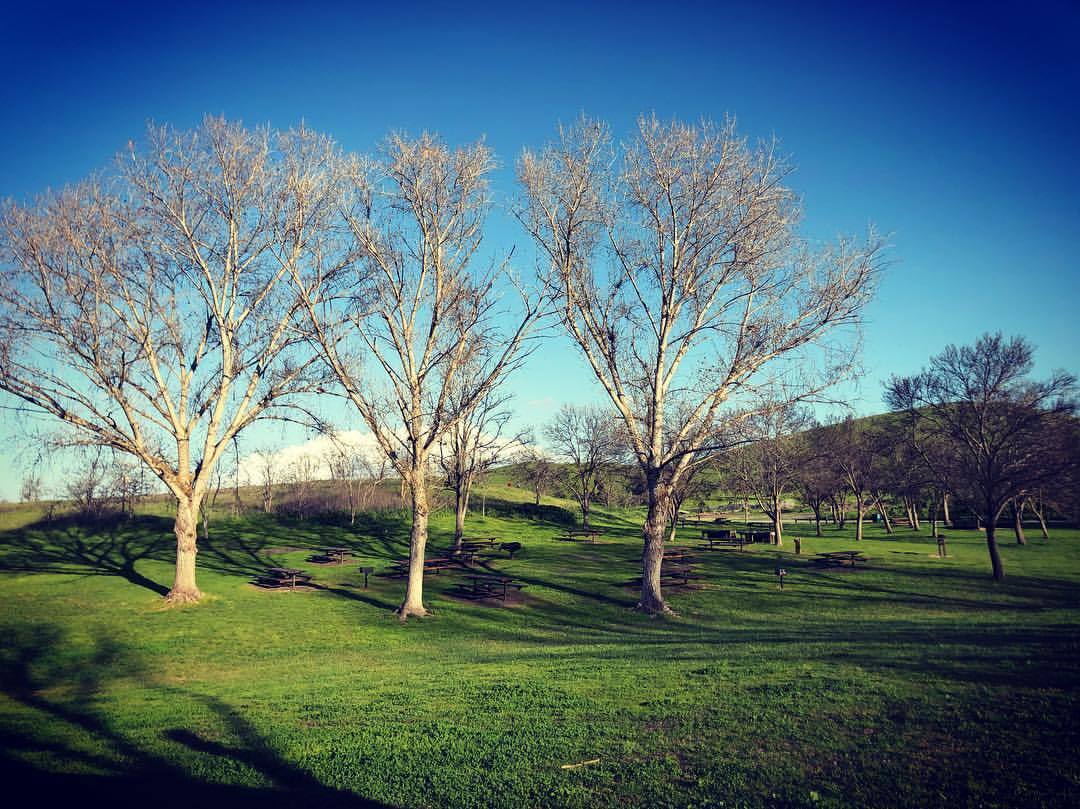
[580, 533]
[486, 585]
[722, 536]
[841, 558]
[337, 554]
[752, 535]
[284, 576]
[478, 543]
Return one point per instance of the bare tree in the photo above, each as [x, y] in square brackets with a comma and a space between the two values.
[150, 309]
[475, 443]
[127, 483]
[537, 471]
[266, 466]
[420, 308]
[31, 488]
[587, 439]
[816, 477]
[768, 466]
[301, 475]
[88, 488]
[985, 428]
[681, 278]
[853, 448]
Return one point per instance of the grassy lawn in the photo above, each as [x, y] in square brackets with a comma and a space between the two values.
[914, 682]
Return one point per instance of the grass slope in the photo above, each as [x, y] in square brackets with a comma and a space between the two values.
[916, 682]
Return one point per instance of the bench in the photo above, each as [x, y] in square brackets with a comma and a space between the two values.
[510, 547]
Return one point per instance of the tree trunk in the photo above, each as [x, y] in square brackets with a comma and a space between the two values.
[884, 515]
[585, 504]
[915, 525]
[1018, 523]
[991, 545]
[652, 557]
[859, 514]
[817, 520]
[778, 523]
[184, 589]
[460, 505]
[945, 509]
[414, 590]
[1042, 519]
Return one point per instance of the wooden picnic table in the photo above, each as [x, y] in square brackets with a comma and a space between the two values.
[280, 576]
[751, 535]
[337, 554]
[841, 557]
[479, 542]
[486, 585]
[580, 533]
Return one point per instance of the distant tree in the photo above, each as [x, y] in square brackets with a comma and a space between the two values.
[150, 309]
[266, 464]
[587, 439]
[127, 483]
[815, 476]
[88, 487]
[476, 442]
[986, 430]
[681, 279]
[301, 475]
[768, 466]
[31, 488]
[853, 448]
[537, 471]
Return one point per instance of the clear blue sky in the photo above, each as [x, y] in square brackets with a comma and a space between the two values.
[952, 127]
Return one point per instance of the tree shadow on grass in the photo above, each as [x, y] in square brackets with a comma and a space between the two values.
[50, 763]
[111, 547]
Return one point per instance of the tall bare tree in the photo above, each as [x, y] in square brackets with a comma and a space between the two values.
[587, 439]
[431, 307]
[985, 428]
[476, 442]
[681, 278]
[150, 309]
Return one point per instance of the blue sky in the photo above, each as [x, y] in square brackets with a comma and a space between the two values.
[952, 128]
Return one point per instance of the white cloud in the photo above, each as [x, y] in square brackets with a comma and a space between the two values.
[318, 449]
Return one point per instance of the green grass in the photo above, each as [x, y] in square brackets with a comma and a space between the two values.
[915, 682]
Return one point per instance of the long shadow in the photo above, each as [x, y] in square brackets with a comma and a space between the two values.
[134, 777]
[111, 547]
